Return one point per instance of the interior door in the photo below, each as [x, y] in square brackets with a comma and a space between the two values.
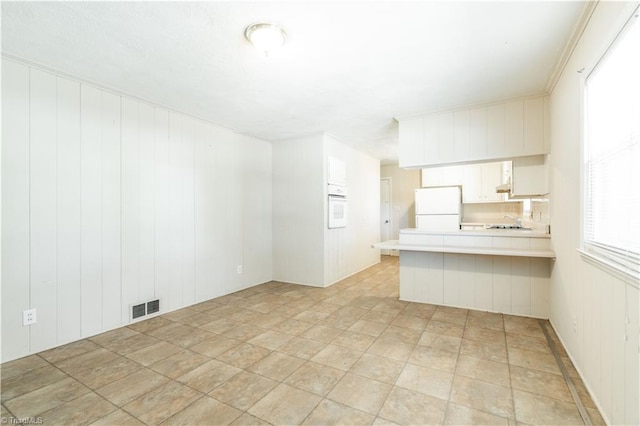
[385, 212]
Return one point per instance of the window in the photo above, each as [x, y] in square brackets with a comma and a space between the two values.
[612, 153]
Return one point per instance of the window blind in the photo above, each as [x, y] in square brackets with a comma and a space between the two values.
[612, 153]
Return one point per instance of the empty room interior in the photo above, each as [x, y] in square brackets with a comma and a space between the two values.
[320, 213]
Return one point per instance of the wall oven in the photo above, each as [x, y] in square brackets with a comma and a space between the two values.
[337, 206]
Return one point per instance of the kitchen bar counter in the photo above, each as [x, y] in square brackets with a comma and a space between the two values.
[495, 251]
[506, 271]
[480, 233]
[496, 242]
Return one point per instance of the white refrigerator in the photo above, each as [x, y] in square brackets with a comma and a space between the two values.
[439, 208]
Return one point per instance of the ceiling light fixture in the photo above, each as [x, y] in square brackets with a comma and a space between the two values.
[265, 37]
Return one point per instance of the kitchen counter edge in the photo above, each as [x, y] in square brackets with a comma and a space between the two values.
[491, 251]
[480, 232]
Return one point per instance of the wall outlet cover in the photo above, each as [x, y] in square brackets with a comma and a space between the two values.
[29, 317]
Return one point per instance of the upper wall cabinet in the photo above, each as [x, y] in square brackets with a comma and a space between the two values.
[480, 184]
[491, 132]
[444, 176]
[411, 142]
[529, 177]
[478, 181]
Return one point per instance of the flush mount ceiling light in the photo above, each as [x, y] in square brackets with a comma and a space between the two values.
[265, 37]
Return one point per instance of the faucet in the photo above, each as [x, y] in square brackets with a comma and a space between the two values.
[515, 219]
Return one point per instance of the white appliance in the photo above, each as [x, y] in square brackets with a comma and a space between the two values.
[439, 208]
[337, 206]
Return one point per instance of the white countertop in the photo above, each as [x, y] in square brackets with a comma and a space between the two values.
[493, 251]
[481, 232]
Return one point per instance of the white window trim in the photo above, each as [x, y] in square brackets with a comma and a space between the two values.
[612, 268]
[586, 250]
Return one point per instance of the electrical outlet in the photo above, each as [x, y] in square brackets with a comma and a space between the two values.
[239, 269]
[29, 317]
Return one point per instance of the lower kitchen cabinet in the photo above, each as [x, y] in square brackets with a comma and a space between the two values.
[505, 284]
[503, 272]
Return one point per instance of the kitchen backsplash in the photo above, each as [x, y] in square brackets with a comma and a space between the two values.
[495, 212]
[490, 212]
[540, 211]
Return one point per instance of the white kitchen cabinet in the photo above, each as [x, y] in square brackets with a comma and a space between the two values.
[411, 150]
[431, 176]
[461, 132]
[430, 141]
[491, 178]
[446, 137]
[472, 188]
[529, 176]
[534, 126]
[477, 133]
[464, 270]
[496, 131]
[480, 183]
[443, 176]
[514, 127]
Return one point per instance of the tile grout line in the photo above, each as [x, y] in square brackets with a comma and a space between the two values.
[95, 391]
[386, 398]
[455, 369]
[506, 348]
[325, 397]
[565, 374]
[69, 376]
[145, 367]
[179, 321]
[376, 415]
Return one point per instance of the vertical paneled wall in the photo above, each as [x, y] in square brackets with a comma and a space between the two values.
[593, 310]
[109, 201]
[68, 216]
[298, 211]
[305, 251]
[348, 250]
[15, 214]
[42, 203]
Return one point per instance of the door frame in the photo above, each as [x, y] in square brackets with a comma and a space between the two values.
[387, 252]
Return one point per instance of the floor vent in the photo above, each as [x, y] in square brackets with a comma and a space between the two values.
[153, 306]
[138, 311]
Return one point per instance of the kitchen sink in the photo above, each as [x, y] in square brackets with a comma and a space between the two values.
[509, 227]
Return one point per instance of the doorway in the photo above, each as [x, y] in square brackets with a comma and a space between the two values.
[385, 212]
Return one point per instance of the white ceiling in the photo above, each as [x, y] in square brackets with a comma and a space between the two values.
[348, 68]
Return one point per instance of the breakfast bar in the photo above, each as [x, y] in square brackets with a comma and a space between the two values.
[505, 271]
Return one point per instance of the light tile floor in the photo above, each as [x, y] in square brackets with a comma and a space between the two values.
[285, 354]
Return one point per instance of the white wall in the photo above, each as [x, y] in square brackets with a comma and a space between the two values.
[348, 250]
[298, 206]
[109, 201]
[594, 312]
[403, 184]
[305, 250]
